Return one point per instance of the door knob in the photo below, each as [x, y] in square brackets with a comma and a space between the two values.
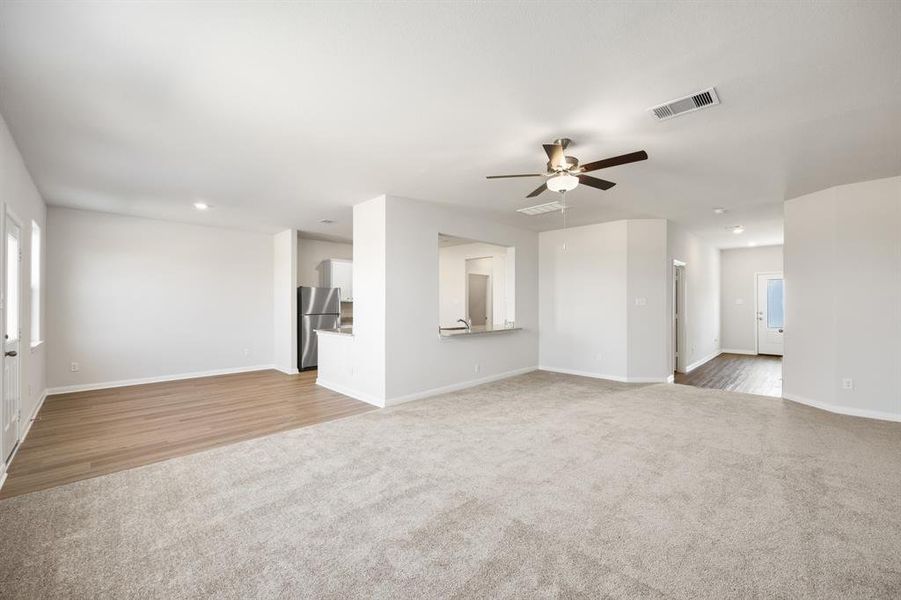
[12, 353]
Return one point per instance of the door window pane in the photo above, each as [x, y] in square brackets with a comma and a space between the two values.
[775, 304]
[12, 288]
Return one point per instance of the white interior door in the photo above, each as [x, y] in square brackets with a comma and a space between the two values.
[770, 313]
[11, 295]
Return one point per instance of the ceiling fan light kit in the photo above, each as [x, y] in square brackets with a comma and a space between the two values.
[562, 183]
[564, 173]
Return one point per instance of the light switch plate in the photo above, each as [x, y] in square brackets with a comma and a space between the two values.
[847, 383]
[641, 301]
[739, 300]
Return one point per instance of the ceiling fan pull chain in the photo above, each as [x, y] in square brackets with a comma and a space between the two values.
[563, 211]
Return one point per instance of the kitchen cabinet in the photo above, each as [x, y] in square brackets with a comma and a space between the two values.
[338, 273]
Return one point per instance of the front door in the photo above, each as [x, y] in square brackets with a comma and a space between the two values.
[11, 296]
[770, 313]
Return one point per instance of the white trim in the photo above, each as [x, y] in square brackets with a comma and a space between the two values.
[31, 419]
[34, 415]
[736, 351]
[293, 371]
[85, 387]
[423, 394]
[356, 395]
[458, 386]
[844, 410]
[583, 373]
[671, 379]
[704, 360]
[620, 379]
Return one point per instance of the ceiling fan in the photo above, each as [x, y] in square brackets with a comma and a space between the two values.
[564, 172]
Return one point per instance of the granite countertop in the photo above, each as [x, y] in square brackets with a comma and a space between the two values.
[476, 330]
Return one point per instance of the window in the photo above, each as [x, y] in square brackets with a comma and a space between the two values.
[35, 284]
[775, 304]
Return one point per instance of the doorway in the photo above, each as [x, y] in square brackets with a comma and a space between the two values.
[477, 299]
[11, 295]
[770, 313]
[480, 291]
[679, 363]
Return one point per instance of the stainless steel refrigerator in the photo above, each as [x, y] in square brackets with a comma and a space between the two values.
[317, 308]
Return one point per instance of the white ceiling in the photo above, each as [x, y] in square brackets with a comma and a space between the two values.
[280, 115]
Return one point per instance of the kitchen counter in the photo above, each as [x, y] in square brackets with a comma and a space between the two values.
[337, 331]
[447, 332]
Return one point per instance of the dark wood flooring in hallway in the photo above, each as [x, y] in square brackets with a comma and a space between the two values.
[760, 374]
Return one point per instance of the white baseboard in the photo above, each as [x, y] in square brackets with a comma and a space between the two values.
[583, 373]
[704, 360]
[85, 387]
[618, 378]
[458, 386]
[34, 414]
[294, 371]
[737, 351]
[355, 394]
[844, 410]
[671, 379]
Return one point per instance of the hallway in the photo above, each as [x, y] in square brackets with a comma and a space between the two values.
[752, 374]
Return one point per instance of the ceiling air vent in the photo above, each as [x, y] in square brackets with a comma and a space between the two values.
[540, 209]
[688, 104]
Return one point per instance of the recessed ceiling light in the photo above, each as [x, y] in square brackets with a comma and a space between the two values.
[752, 244]
[326, 221]
[736, 229]
[719, 211]
[201, 205]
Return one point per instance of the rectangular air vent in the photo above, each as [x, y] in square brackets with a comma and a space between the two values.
[688, 104]
[540, 209]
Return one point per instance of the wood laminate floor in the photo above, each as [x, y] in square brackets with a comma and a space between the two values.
[85, 434]
[760, 374]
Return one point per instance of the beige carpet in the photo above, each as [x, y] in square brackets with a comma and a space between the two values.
[540, 486]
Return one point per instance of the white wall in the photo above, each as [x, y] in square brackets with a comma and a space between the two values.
[310, 253]
[20, 196]
[131, 298]
[452, 271]
[604, 299]
[418, 360]
[702, 296]
[583, 290]
[738, 294]
[647, 300]
[842, 258]
[284, 300]
[396, 353]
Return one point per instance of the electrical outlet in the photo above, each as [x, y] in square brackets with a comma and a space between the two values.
[246, 352]
[599, 357]
[477, 367]
[847, 383]
[73, 367]
[641, 301]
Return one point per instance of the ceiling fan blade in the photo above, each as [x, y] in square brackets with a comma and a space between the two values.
[540, 190]
[616, 160]
[554, 154]
[601, 184]
[506, 176]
